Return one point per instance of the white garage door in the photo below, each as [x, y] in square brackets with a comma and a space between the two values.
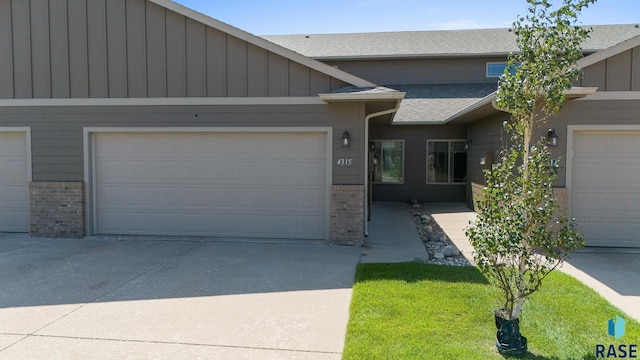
[14, 182]
[256, 185]
[605, 187]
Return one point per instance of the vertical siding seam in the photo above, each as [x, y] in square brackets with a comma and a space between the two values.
[633, 52]
[184, 59]
[68, 50]
[126, 53]
[146, 50]
[13, 53]
[30, 47]
[246, 69]
[288, 77]
[606, 74]
[226, 65]
[106, 50]
[86, 25]
[267, 77]
[206, 63]
[308, 81]
[166, 57]
[50, 54]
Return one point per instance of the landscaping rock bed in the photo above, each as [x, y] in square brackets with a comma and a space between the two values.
[440, 249]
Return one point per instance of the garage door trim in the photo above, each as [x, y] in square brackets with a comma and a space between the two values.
[27, 133]
[572, 131]
[90, 132]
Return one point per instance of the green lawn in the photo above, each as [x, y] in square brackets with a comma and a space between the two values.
[422, 311]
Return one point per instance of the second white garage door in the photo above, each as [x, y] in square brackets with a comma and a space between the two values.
[254, 185]
[605, 187]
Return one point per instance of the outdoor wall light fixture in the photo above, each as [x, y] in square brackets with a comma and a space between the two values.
[467, 144]
[346, 139]
[552, 138]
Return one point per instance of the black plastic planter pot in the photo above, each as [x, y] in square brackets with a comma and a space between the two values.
[509, 341]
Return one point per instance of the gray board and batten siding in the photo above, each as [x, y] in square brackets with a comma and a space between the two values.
[136, 49]
[619, 73]
[597, 143]
[78, 49]
[420, 71]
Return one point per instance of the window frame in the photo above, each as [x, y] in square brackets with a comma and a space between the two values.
[495, 63]
[505, 63]
[403, 162]
[449, 170]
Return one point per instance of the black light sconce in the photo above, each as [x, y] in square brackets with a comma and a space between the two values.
[467, 144]
[552, 138]
[346, 139]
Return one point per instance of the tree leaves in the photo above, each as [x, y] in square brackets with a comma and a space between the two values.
[519, 236]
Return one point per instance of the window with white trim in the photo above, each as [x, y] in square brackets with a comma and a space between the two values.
[388, 161]
[446, 161]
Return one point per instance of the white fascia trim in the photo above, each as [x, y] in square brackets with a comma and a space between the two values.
[607, 53]
[262, 43]
[27, 131]
[613, 95]
[346, 97]
[573, 93]
[167, 101]
[407, 56]
[579, 92]
[481, 103]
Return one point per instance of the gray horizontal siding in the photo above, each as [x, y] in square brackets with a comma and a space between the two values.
[617, 73]
[420, 71]
[415, 168]
[57, 133]
[135, 48]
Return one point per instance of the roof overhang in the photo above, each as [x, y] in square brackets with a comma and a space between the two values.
[487, 106]
[609, 52]
[379, 93]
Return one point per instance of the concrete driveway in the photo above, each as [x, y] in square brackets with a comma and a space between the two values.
[110, 299]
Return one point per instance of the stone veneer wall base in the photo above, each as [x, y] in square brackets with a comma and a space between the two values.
[57, 209]
[347, 214]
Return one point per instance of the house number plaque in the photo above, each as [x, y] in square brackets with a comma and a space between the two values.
[345, 162]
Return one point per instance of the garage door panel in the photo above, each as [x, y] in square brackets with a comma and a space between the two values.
[309, 199]
[605, 193]
[14, 182]
[307, 225]
[231, 185]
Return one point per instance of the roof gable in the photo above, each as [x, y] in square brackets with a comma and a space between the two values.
[145, 49]
[262, 43]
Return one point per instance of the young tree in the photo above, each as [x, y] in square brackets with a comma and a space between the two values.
[518, 236]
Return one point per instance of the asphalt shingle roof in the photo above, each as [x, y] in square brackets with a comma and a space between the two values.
[431, 43]
[436, 103]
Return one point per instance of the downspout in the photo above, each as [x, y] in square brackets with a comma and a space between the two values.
[366, 159]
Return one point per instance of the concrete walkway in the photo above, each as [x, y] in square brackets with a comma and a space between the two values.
[613, 273]
[392, 235]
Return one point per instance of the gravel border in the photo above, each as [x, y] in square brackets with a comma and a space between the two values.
[440, 249]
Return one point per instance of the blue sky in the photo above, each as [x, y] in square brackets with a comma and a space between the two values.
[276, 17]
